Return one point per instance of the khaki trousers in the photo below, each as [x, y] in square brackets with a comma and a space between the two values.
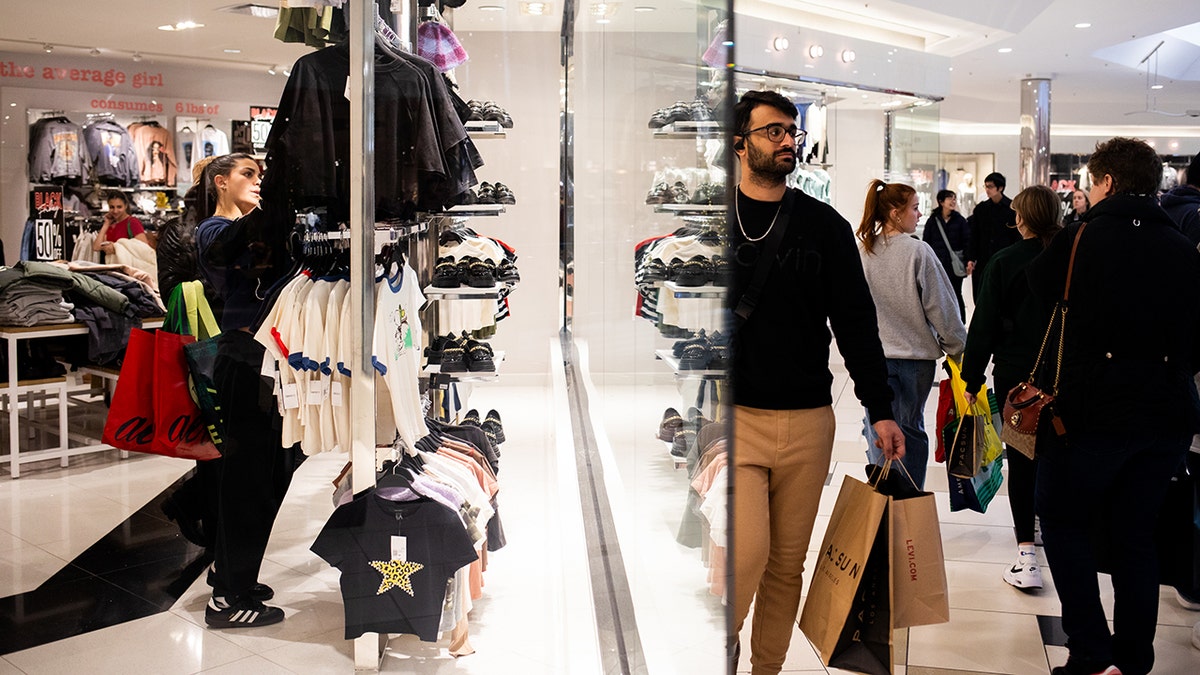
[781, 460]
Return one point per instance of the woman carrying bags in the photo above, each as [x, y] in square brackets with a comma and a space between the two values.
[947, 233]
[255, 470]
[1007, 328]
[916, 311]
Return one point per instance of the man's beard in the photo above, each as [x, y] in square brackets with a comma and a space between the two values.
[772, 168]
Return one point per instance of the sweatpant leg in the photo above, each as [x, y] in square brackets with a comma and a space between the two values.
[792, 449]
[251, 467]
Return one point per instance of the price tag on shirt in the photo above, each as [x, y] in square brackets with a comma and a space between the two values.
[291, 396]
[314, 394]
[268, 365]
[335, 393]
[399, 548]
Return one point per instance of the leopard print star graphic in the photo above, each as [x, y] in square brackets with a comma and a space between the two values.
[396, 573]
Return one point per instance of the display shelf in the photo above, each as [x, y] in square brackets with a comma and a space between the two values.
[462, 293]
[689, 129]
[464, 210]
[439, 379]
[485, 129]
[672, 361]
[691, 209]
[706, 291]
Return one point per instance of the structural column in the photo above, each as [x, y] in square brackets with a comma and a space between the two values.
[1035, 132]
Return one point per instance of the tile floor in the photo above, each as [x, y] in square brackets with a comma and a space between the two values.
[55, 524]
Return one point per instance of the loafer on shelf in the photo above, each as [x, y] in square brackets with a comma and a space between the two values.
[454, 355]
[481, 274]
[487, 194]
[671, 422]
[493, 421]
[695, 272]
[503, 194]
[685, 438]
[446, 274]
[696, 356]
[507, 272]
[480, 358]
[433, 353]
[471, 419]
[659, 119]
[698, 338]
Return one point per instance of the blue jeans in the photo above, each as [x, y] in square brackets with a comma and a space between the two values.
[911, 381]
[1127, 472]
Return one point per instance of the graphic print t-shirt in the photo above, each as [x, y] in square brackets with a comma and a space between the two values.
[386, 595]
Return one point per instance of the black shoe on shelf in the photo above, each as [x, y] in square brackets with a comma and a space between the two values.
[670, 423]
[446, 274]
[480, 357]
[433, 353]
[503, 194]
[471, 418]
[454, 356]
[507, 272]
[241, 613]
[685, 438]
[695, 356]
[493, 421]
[481, 274]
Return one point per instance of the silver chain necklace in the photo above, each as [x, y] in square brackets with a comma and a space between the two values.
[738, 212]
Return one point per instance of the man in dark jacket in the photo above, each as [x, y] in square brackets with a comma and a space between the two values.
[1132, 345]
[1182, 202]
[993, 226]
[783, 421]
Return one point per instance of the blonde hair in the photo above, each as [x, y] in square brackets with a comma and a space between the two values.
[882, 198]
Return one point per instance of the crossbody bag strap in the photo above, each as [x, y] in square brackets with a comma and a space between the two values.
[946, 240]
[766, 258]
[1060, 313]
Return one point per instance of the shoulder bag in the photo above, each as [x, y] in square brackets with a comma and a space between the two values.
[1026, 404]
[960, 270]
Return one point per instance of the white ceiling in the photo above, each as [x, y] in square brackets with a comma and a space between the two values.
[1095, 74]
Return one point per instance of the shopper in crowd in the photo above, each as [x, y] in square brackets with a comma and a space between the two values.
[1007, 328]
[783, 421]
[1079, 206]
[947, 234]
[255, 469]
[1182, 202]
[118, 224]
[1125, 399]
[917, 312]
[992, 227]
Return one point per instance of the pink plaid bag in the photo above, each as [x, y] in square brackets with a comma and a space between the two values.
[438, 44]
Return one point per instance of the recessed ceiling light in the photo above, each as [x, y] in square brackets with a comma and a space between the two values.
[233, 51]
[1083, 25]
[535, 8]
[816, 51]
[182, 25]
[48, 48]
[780, 44]
[644, 8]
[1004, 50]
[1174, 144]
[1156, 86]
[491, 8]
[848, 56]
[137, 56]
[271, 70]
[604, 9]
[95, 51]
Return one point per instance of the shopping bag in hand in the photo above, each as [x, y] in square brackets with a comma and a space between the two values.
[841, 565]
[865, 642]
[179, 428]
[201, 359]
[976, 493]
[130, 421]
[965, 455]
[946, 414]
[920, 593]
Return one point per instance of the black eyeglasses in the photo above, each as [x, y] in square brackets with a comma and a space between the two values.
[776, 132]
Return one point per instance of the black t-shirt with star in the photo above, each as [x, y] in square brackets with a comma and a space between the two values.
[382, 595]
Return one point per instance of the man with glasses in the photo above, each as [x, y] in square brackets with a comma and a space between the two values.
[783, 421]
[993, 226]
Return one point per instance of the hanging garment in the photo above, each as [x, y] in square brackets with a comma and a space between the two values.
[57, 152]
[111, 153]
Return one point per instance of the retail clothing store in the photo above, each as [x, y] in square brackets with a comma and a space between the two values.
[448, 389]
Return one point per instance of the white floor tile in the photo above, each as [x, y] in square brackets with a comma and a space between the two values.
[978, 543]
[974, 641]
[25, 567]
[7, 668]
[163, 643]
[979, 586]
[252, 664]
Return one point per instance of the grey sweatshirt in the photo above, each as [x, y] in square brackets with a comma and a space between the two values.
[915, 304]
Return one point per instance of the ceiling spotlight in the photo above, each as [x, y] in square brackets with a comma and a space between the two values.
[1083, 25]
[535, 8]
[182, 25]
[780, 44]
[233, 51]
[287, 71]
[137, 56]
[95, 51]
[816, 51]
[1156, 86]
[271, 70]
[491, 8]
[47, 48]
[1004, 50]
[848, 56]
[644, 8]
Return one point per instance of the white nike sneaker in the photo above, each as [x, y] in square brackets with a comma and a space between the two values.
[1027, 576]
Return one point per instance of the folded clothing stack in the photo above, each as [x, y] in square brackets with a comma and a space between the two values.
[31, 294]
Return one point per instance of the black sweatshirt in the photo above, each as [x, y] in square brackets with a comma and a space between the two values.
[781, 353]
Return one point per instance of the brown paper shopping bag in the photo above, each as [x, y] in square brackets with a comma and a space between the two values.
[841, 565]
[919, 590]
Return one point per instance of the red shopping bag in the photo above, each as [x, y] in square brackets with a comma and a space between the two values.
[179, 426]
[130, 421]
[946, 414]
